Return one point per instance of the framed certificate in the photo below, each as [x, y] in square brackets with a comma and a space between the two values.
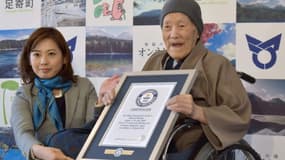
[137, 125]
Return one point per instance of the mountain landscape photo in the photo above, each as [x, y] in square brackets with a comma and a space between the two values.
[268, 103]
[260, 11]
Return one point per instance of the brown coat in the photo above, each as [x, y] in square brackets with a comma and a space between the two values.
[219, 90]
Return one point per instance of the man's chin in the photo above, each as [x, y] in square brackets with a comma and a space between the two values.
[176, 54]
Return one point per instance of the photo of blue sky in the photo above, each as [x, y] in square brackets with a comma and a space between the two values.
[223, 42]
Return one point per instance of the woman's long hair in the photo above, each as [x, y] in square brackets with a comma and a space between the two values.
[26, 72]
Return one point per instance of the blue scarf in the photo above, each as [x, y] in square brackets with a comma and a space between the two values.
[45, 101]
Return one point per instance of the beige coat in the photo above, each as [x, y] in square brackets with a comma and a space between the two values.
[219, 90]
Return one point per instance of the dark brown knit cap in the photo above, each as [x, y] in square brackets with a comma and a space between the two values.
[188, 7]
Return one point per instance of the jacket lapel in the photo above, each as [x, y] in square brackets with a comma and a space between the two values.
[71, 99]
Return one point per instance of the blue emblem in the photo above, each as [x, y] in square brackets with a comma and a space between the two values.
[146, 98]
[71, 45]
[118, 152]
[272, 46]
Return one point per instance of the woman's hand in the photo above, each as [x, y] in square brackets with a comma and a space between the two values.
[185, 104]
[107, 90]
[48, 153]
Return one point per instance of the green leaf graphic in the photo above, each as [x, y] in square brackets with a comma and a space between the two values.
[7, 85]
[96, 1]
[98, 11]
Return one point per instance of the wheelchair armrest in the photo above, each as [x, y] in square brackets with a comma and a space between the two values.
[191, 122]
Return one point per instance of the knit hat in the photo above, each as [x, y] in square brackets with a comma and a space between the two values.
[189, 7]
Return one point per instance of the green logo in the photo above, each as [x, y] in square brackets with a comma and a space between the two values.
[7, 85]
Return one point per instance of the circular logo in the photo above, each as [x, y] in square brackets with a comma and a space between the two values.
[118, 152]
[146, 98]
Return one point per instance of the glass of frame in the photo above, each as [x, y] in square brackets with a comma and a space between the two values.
[137, 124]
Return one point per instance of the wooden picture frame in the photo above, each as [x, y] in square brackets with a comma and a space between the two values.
[137, 124]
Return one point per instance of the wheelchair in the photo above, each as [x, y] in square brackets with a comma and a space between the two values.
[238, 151]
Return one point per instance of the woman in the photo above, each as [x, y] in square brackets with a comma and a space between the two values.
[51, 98]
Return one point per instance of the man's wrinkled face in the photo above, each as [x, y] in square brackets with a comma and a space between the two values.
[179, 35]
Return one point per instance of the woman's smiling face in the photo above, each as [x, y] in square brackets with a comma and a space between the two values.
[46, 59]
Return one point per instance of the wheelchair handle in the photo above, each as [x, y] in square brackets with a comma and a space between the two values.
[248, 78]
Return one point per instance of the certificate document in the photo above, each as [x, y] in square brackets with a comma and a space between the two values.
[137, 124]
[138, 114]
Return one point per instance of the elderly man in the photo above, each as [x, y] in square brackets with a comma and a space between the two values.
[217, 100]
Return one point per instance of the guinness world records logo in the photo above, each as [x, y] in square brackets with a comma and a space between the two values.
[146, 98]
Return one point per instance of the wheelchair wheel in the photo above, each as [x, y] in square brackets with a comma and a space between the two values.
[207, 152]
[238, 151]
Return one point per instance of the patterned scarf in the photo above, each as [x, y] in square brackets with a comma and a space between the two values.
[45, 101]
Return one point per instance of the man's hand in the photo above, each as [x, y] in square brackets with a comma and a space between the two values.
[107, 90]
[185, 104]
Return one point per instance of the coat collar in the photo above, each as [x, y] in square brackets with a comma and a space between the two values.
[71, 99]
[192, 59]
